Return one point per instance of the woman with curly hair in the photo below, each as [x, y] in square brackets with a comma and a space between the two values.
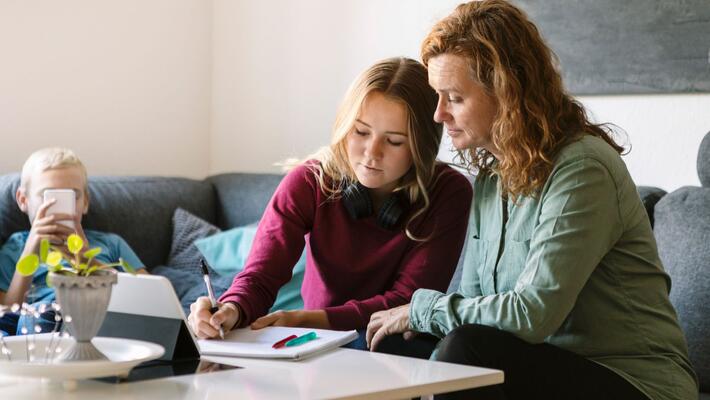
[562, 286]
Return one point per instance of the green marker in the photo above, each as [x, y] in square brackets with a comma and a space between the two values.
[302, 339]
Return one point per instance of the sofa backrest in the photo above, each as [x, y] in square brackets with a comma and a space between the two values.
[11, 218]
[682, 231]
[139, 209]
[242, 197]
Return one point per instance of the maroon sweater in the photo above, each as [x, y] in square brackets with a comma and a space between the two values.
[354, 268]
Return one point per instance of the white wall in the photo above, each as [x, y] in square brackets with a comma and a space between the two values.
[281, 68]
[664, 131]
[126, 83]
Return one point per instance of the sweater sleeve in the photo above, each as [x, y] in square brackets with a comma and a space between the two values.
[579, 223]
[278, 244]
[428, 264]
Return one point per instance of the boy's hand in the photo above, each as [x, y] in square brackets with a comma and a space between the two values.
[64, 248]
[47, 227]
[205, 324]
[80, 231]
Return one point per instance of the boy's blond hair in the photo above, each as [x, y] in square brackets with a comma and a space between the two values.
[51, 158]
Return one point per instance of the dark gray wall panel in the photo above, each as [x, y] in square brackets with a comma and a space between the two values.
[627, 46]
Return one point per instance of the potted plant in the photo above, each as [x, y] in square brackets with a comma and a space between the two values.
[83, 289]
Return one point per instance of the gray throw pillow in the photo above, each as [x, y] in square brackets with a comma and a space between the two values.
[186, 229]
[183, 269]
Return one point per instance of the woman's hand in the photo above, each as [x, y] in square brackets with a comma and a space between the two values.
[299, 318]
[388, 322]
[205, 324]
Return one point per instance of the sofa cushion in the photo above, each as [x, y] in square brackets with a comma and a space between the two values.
[683, 232]
[185, 275]
[188, 228]
[704, 161]
[228, 251]
[242, 197]
[183, 265]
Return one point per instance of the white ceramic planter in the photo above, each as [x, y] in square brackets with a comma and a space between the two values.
[85, 299]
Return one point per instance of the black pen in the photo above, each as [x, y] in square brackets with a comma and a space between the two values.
[210, 292]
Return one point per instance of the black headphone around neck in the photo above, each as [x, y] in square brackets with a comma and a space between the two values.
[357, 201]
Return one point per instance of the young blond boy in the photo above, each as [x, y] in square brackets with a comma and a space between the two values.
[50, 168]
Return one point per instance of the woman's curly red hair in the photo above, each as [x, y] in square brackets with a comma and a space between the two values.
[536, 117]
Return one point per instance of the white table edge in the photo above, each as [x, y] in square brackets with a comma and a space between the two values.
[493, 378]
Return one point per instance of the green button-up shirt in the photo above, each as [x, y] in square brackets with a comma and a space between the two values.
[576, 267]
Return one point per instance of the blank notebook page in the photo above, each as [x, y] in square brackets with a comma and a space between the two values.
[258, 343]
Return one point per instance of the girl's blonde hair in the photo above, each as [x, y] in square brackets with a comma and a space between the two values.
[536, 118]
[403, 80]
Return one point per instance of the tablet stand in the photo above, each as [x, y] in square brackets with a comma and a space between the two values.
[171, 333]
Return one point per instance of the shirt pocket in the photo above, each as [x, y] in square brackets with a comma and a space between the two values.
[511, 264]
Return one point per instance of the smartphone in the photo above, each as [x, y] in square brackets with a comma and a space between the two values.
[65, 203]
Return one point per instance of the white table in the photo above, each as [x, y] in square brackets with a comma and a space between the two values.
[339, 374]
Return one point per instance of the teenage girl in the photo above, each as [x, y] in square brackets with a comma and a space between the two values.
[379, 216]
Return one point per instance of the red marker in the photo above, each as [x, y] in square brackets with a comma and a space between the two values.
[281, 343]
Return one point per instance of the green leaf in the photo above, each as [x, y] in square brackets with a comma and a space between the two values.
[91, 270]
[46, 279]
[126, 266]
[92, 252]
[55, 268]
[28, 265]
[75, 243]
[43, 250]
[81, 267]
[53, 259]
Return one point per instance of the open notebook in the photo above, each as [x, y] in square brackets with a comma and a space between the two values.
[257, 343]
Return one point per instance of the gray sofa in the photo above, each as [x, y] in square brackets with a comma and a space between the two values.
[140, 209]
[682, 229]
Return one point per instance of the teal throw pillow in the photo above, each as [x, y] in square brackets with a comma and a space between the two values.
[227, 252]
